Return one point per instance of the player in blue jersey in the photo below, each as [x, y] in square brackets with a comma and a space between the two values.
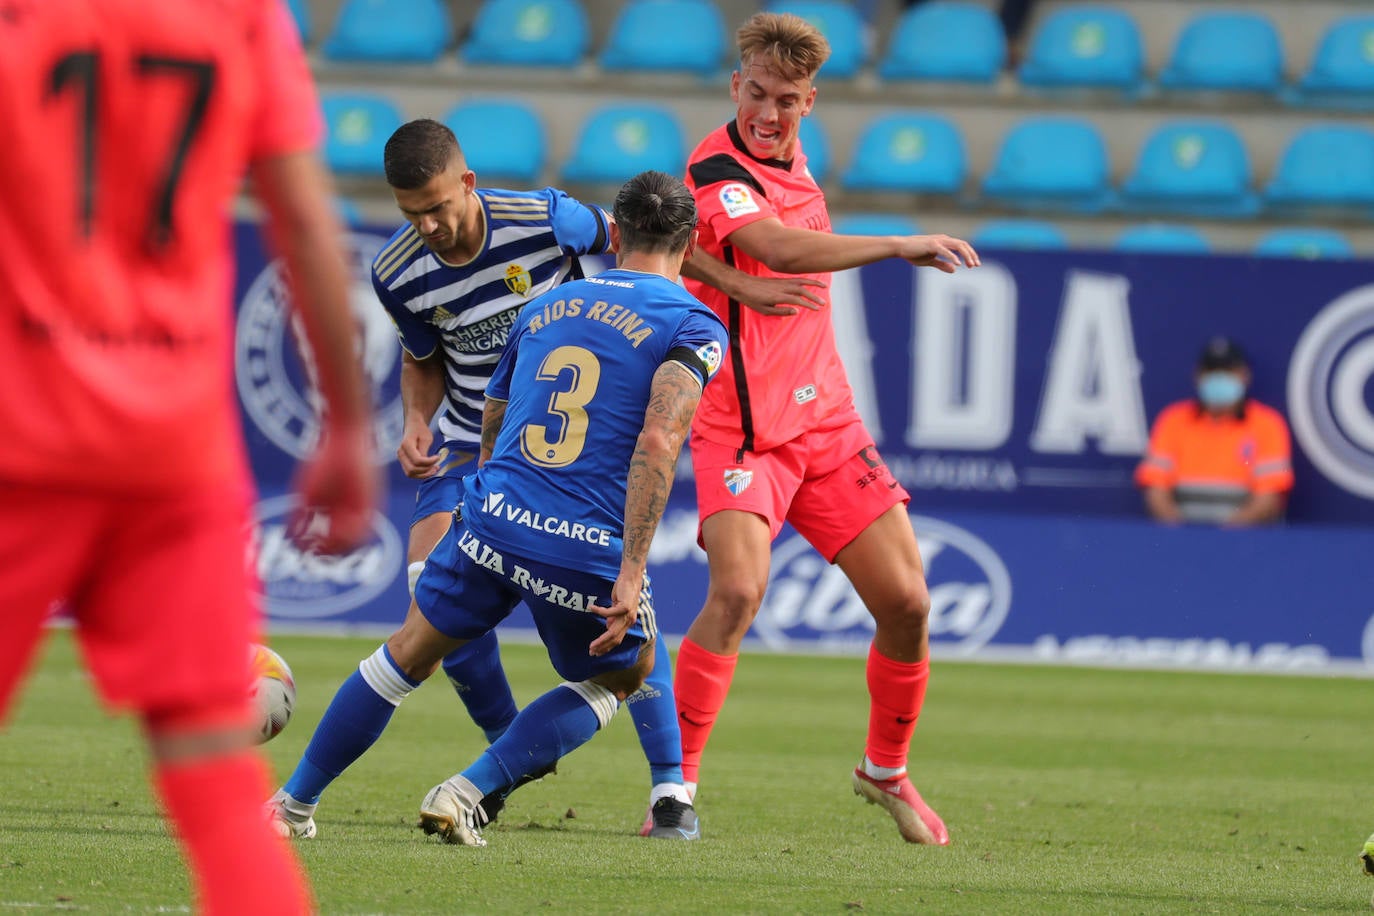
[453, 279]
[582, 426]
[592, 400]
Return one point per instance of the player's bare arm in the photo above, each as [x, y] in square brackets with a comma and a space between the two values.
[765, 295]
[422, 391]
[788, 249]
[339, 479]
[672, 401]
[493, 416]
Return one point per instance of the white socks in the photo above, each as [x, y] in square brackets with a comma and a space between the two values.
[872, 769]
[670, 790]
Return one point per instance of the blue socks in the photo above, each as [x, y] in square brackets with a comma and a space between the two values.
[551, 727]
[476, 674]
[353, 722]
[655, 717]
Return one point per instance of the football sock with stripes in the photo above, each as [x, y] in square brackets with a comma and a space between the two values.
[354, 721]
[238, 865]
[702, 683]
[476, 674]
[896, 692]
[552, 726]
[655, 716]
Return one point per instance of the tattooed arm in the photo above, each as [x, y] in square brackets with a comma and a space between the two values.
[493, 415]
[672, 401]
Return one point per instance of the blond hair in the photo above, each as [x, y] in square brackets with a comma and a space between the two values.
[786, 44]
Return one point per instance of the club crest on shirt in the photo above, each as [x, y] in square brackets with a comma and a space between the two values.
[518, 280]
[737, 480]
[737, 200]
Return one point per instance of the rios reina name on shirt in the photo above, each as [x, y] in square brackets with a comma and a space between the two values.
[624, 320]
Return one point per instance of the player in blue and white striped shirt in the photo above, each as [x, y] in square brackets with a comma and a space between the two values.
[453, 279]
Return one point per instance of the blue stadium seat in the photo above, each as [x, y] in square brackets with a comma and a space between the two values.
[301, 14]
[908, 152]
[1028, 234]
[528, 33]
[842, 26]
[1054, 163]
[500, 138]
[1226, 51]
[1307, 243]
[358, 125]
[390, 31]
[816, 146]
[1085, 46]
[1195, 167]
[1325, 166]
[1164, 239]
[921, 47]
[875, 224]
[1342, 70]
[619, 141]
[638, 38]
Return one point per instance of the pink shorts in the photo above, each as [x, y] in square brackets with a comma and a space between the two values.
[157, 586]
[830, 484]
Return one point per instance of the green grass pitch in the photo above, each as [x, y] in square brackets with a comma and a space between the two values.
[1066, 790]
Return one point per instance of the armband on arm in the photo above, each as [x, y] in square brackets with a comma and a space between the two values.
[692, 360]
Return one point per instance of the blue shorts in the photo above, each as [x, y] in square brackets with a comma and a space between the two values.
[469, 586]
[443, 492]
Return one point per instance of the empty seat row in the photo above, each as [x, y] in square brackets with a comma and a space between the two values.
[1309, 243]
[1079, 46]
[1217, 50]
[1193, 167]
[526, 33]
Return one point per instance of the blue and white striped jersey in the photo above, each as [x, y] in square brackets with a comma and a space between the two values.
[532, 245]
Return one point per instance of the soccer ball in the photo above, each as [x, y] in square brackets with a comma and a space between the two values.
[274, 692]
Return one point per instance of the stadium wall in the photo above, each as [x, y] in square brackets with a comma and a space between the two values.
[1013, 402]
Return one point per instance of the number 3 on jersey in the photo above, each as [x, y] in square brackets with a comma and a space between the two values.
[557, 445]
[79, 72]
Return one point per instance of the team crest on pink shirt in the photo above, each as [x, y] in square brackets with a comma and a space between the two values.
[737, 480]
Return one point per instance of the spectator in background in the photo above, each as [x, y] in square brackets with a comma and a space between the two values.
[1220, 458]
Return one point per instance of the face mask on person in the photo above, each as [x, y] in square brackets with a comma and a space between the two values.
[1220, 389]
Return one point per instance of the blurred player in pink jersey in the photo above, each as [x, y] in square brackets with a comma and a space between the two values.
[124, 491]
[778, 438]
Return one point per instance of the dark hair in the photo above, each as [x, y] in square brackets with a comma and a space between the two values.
[1221, 353]
[655, 212]
[418, 151]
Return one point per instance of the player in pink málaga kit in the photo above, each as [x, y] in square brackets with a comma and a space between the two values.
[777, 438]
[129, 127]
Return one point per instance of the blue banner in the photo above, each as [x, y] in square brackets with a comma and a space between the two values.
[1030, 383]
[1014, 402]
[1079, 589]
